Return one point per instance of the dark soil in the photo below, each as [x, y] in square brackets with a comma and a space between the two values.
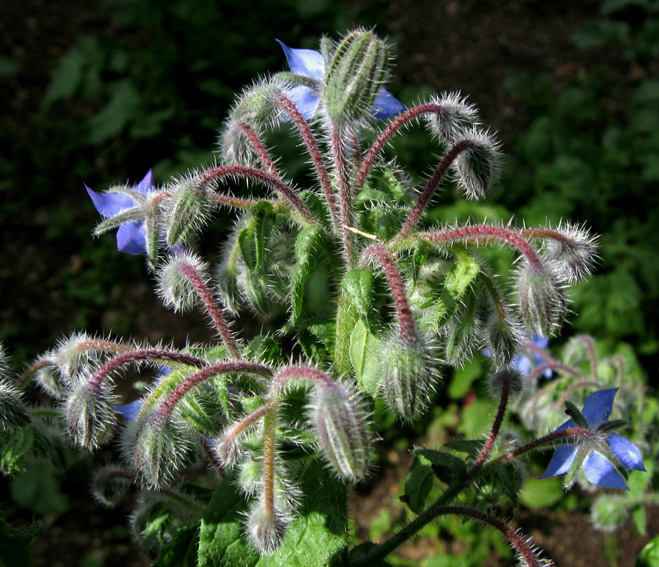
[467, 45]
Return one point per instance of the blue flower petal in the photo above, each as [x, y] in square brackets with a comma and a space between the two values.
[562, 461]
[597, 407]
[110, 204]
[599, 470]
[540, 342]
[131, 238]
[130, 411]
[626, 452]
[386, 105]
[307, 62]
[305, 100]
[522, 364]
[146, 183]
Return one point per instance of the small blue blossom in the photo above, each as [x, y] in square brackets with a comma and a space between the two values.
[131, 236]
[129, 411]
[310, 63]
[597, 468]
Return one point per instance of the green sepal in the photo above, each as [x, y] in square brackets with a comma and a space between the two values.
[576, 415]
[187, 211]
[253, 239]
[152, 238]
[649, 555]
[357, 286]
[365, 356]
[127, 215]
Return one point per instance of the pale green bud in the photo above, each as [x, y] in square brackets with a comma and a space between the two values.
[110, 484]
[90, 415]
[458, 119]
[266, 529]
[174, 287]
[188, 210]
[355, 75]
[541, 300]
[477, 167]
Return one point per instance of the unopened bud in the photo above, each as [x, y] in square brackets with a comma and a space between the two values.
[462, 338]
[355, 75]
[503, 341]
[90, 416]
[13, 413]
[228, 450]
[574, 255]
[74, 358]
[477, 166]
[258, 106]
[50, 381]
[408, 377]
[456, 121]
[266, 529]
[174, 286]
[110, 485]
[541, 300]
[508, 379]
[342, 432]
[188, 210]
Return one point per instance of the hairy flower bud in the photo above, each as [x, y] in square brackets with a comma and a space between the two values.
[110, 485]
[477, 167]
[341, 427]
[266, 529]
[541, 299]
[513, 379]
[503, 338]
[456, 121]
[174, 287]
[408, 376]
[13, 413]
[188, 210]
[355, 75]
[90, 415]
[573, 255]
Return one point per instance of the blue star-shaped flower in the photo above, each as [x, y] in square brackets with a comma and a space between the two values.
[597, 468]
[131, 236]
[310, 63]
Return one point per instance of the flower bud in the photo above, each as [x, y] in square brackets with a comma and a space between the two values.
[174, 287]
[503, 339]
[110, 485]
[477, 166]
[408, 376]
[512, 377]
[228, 450]
[257, 105]
[456, 121]
[574, 255]
[355, 75]
[341, 428]
[90, 415]
[188, 210]
[266, 529]
[13, 413]
[541, 300]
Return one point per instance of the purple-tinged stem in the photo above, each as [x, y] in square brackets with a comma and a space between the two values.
[338, 153]
[431, 185]
[269, 426]
[285, 192]
[590, 345]
[259, 148]
[380, 254]
[564, 369]
[496, 426]
[544, 233]
[231, 201]
[308, 373]
[392, 128]
[247, 421]
[316, 157]
[38, 365]
[212, 309]
[481, 233]
[139, 355]
[575, 432]
[525, 551]
[168, 405]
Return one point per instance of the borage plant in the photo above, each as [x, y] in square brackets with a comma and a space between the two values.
[363, 301]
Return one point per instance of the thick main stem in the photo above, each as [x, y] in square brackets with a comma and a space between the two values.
[212, 309]
[340, 165]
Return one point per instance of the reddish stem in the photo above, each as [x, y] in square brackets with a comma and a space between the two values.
[302, 372]
[484, 234]
[403, 312]
[544, 440]
[496, 426]
[525, 551]
[212, 309]
[138, 355]
[431, 185]
[259, 148]
[338, 153]
[316, 157]
[228, 171]
[209, 372]
[269, 461]
[231, 201]
[384, 136]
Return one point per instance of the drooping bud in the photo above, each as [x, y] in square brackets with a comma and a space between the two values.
[541, 299]
[174, 287]
[266, 529]
[257, 105]
[228, 450]
[408, 377]
[90, 415]
[13, 412]
[188, 210]
[477, 166]
[458, 119]
[75, 358]
[342, 431]
[573, 255]
[462, 337]
[355, 75]
[503, 338]
[513, 383]
[110, 485]
[49, 380]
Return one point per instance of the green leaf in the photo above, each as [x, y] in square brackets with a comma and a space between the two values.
[16, 543]
[182, 552]
[512, 480]
[15, 444]
[649, 555]
[124, 106]
[448, 468]
[365, 351]
[358, 288]
[418, 483]
[38, 489]
[640, 520]
[469, 446]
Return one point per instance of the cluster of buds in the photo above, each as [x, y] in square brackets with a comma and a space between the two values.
[376, 298]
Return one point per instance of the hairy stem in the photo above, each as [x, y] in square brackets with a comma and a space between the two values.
[340, 165]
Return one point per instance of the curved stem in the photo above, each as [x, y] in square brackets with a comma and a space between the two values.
[259, 147]
[431, 185]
